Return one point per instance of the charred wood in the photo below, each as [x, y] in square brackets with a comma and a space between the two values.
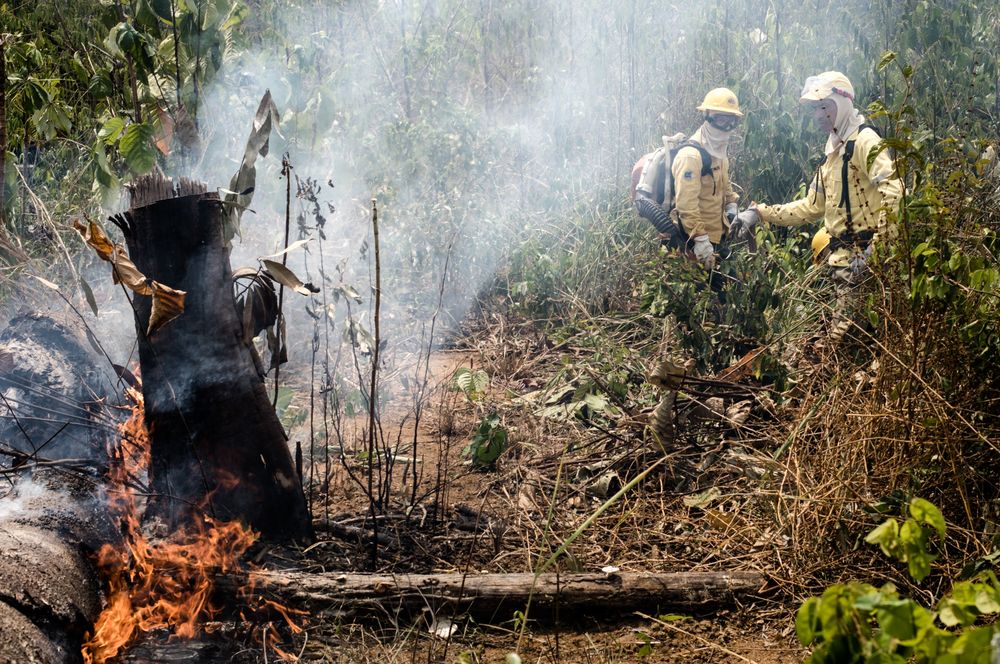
[55, 426]
[214, 436]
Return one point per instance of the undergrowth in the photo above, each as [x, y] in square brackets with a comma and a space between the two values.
[838, 434]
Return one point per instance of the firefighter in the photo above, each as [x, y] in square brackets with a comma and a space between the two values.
[856, 202]
[704, 201]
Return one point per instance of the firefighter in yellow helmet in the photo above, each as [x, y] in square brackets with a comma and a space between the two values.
[856, 202]
[704, 202]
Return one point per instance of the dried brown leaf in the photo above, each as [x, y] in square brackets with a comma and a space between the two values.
[168, 304]
[88, 294]
[95, 238]
[125, 272]
[164, 132]
[46, 282]
[286, 277]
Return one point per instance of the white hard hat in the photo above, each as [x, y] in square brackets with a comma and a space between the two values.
[821, 86]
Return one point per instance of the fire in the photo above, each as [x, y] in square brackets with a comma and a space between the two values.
[155, 584]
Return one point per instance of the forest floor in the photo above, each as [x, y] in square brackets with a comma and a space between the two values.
[508, 516]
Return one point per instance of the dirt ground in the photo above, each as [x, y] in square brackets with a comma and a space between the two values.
[466, 520]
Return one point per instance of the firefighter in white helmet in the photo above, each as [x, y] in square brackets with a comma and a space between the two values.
[704, 199]
[857, 202]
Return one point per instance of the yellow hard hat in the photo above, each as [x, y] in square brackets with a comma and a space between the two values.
[722, 100]
[820, 244]
[821, 86]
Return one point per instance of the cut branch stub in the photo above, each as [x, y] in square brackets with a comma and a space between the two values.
[214, 435]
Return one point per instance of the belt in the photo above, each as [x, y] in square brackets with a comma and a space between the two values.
[860, 239]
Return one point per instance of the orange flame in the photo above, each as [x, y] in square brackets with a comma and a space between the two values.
[161, 584]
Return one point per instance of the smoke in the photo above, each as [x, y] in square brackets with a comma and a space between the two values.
[473, 126]
[18, 501]
[476, 126]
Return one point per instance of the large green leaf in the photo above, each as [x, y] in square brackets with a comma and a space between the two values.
[925, 512]
[137, 148]
[111, 130]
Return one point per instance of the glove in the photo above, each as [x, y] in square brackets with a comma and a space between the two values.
[731, 210]
[703, 251]
[742, 227]
[859, 263]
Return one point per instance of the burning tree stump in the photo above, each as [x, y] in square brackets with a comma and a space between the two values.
[215, 438]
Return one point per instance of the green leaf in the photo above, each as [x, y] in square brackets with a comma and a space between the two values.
[887, 58]
[88, 293]
[10, 166]
[111, 130]
[673, 617]
[987, 600]
[904, 620]
[919, 564]
[925, 512]
[886, 536]
[973, 645]
[807, 621]
[103, 175]
[137, 148]
[35, 96]
[237, 15]
[472, 383]
[488, 441]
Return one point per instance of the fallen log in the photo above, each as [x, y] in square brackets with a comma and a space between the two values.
[496, 596]
[56, 420]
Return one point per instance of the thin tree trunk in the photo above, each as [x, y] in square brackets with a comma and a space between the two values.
[214, 436]
[778, 73]
[8, 248]
[3, 136]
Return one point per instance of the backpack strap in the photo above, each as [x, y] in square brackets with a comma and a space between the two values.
[679, 238]
[845, 198]
[706, 160]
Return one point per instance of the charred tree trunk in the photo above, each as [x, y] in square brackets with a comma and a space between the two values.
[214, 436]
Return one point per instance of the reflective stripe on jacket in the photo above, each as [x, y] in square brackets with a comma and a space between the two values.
[700, 201]
[872, 194]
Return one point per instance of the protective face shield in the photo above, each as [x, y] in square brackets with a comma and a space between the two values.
[723, 121]
[824, 114]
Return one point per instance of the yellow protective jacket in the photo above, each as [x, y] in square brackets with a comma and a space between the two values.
[700, 202]
[873, 193]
